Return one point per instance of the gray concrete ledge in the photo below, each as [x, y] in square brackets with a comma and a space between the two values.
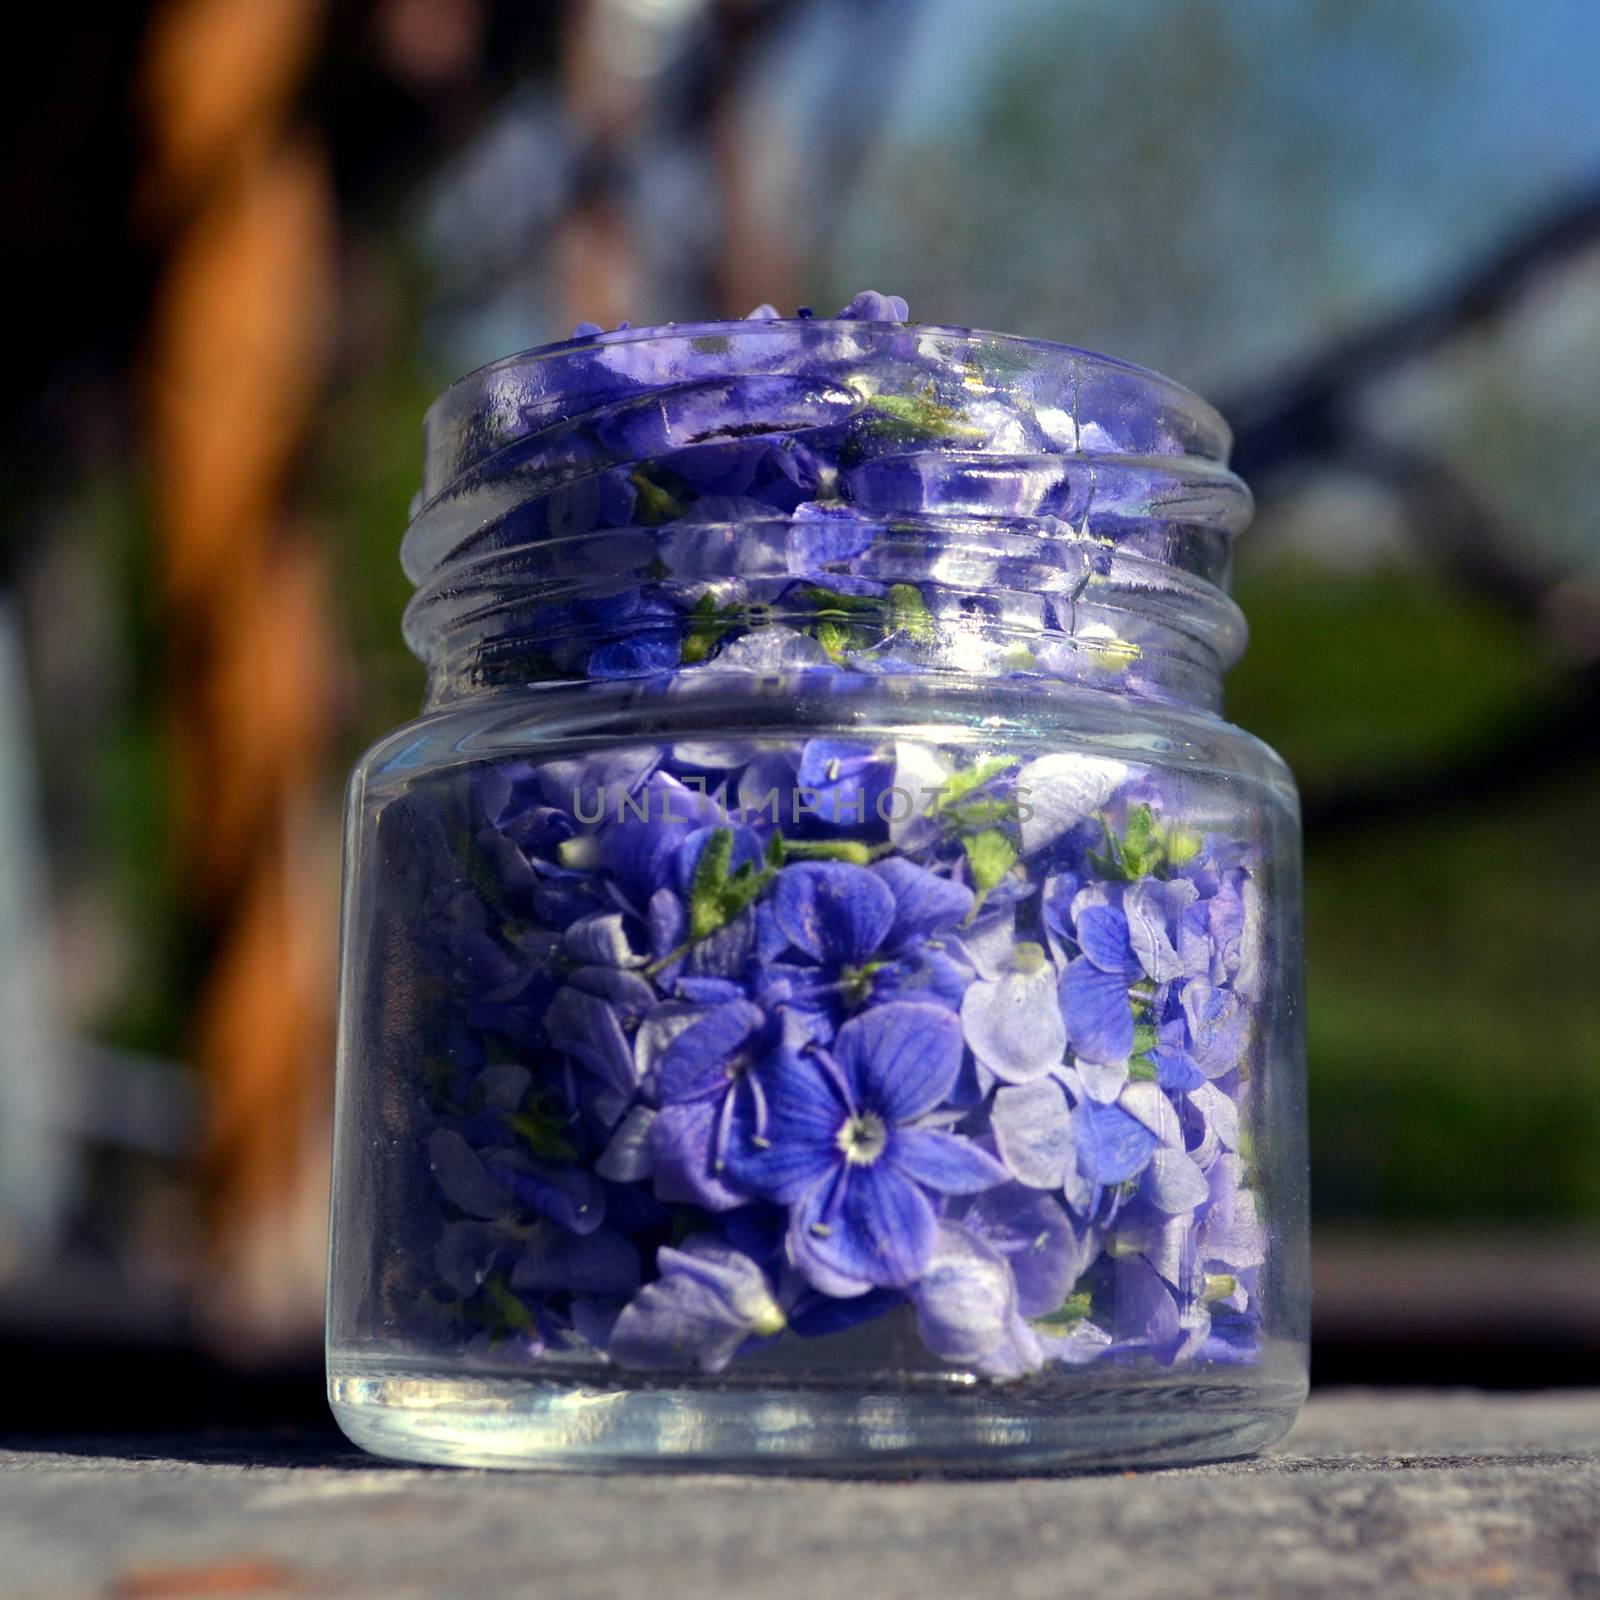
[1388, 1494]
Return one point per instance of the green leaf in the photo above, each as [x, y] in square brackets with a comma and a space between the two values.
[708, 622]
[1067, 1315]
[835, 639]
[654, 503]
[981, 812]
[710, 879]
[920, 417]
[909, 614]
[510, 1314]
[827, 602]
[1141, 1069]
[1144, 1039]
[991, 855]
[542, 1124]
[852, 850]
[716, 897]
[1142, 848]
[1182, 845]
[970, 778]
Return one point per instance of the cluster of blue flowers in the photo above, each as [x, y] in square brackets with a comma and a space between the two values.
[727, 1042]
[726, 1066]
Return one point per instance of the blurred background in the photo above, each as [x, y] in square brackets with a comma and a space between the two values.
[257, 236]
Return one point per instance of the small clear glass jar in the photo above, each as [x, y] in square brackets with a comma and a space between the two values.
[821, 978]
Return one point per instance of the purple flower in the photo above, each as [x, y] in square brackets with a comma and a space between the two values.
[701, 1078]
[1045, 1250]
[647, 629]
[1216, 1023]
[1094, 988]
[870, 306]
[708, 1300]
[1167, 940]
[589, 1020]
[511, 1183]
[848, 780]
[834, 913]
[865, 934]
[966, 1301]
[1014, 1255]
[1047, 1143]
[821, 535]
[846, 1149]
[1013, 1023]
[638, 840]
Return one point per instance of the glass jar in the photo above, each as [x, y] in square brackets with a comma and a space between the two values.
[821, 978]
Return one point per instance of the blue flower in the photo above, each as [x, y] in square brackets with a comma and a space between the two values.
[835, 913]
[640, 838]
[870, 306]
[1080, 1149]
[701, 1079]
[822, 535]
[1013, 1255]
[707, 1302]
[511, 1184]
[966, 1301]
[1166, 928]
[1013, 1023]
[1094, 988]
[1045, 1250]
[843, 1147]
[848, 780]
[589, 1020]
[648, 634]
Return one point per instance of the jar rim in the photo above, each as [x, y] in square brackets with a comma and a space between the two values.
[664, 332]
[584, 502]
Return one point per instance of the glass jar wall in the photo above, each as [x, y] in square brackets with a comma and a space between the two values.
[821, 978]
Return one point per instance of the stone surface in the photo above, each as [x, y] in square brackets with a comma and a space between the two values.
[1381, 1494]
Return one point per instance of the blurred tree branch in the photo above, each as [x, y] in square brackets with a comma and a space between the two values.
[1309, 413]
[1315, 417]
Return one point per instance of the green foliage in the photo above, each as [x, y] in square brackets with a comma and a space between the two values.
[991, 855]
[708, 623]
[653, 502]
[543, 1123]
[506, 1313]
[1067, 1315]
[717, 896]
[849, 622]
[1453, 1016]
[919, 417]
[960, 784]
[855, 851]
[1354, 678]
[908, 613]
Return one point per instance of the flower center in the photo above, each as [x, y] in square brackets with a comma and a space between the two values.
[855, 983]
[863, 1138]
[1028, 958]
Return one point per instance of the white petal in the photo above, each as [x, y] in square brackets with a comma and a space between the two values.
[1221, 1114]
[1060, 791]
[1147, 1104]
[1173, 1183]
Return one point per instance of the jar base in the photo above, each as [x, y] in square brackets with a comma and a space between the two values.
[962, 1428]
